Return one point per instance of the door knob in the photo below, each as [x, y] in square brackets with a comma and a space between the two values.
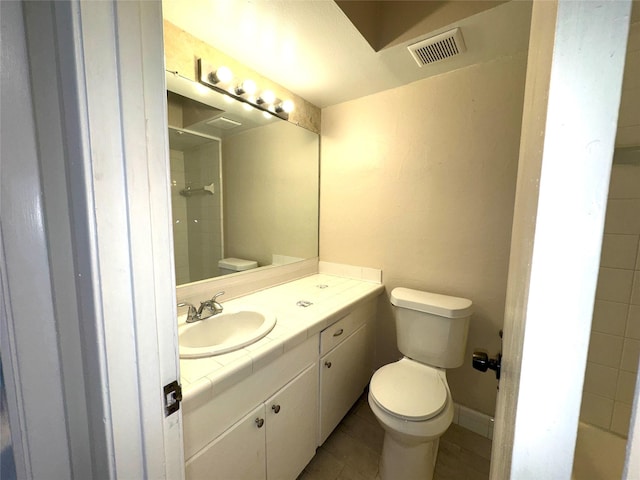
[482, 362]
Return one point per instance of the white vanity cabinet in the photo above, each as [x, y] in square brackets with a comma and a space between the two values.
[277, 438]
[291, 426]
[346, 350]
[237, 453]
[269, 423]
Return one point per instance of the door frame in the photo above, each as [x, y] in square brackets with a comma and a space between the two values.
[91, 75]
[572, 95]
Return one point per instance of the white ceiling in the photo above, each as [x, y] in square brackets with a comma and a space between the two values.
[312, 49]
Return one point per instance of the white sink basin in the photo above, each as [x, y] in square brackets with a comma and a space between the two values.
[223, 333]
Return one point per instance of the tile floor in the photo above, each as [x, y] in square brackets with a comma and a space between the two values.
[353, 450]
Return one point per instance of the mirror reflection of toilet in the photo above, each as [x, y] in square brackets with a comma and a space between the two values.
[234, 265]
[410, 398]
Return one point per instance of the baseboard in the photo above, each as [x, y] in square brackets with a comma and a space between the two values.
[477, 422]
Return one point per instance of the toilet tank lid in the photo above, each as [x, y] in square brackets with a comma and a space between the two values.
[434, 303]
[237, 264]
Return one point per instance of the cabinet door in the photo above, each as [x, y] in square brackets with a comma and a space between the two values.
[292, 423]
[344, 373]
[237, 454]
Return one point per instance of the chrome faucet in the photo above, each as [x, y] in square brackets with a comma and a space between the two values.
[209, 308]
[192, 315]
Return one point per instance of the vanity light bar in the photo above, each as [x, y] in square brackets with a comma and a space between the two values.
[265, 101]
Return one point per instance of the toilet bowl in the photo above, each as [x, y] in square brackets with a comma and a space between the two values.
[410, 398]
[413, 404]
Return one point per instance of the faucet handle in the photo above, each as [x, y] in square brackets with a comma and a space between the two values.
[191, 315]
[213, 304]
[213, 299]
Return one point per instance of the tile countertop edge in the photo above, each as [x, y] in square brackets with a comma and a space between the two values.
[214, 383]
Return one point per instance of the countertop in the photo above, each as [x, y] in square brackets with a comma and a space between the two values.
[331, 298]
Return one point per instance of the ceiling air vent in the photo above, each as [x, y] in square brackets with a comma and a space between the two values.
[434, 49]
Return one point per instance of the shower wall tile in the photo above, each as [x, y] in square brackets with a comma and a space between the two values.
[596, 410]
[632, 70]
[179, 217]
[610, 317]
[625, 388]
[614, 285]
[630, 355]
[624, 181]
[633, 42]
[605, 349]
[635, 295]
[628, 136]
[619, 251]
[633, 322]
[630, 116]
[620, 418]
[619, 266]
[623, 217]
[615, 330]
[601, 380]
[205, 235]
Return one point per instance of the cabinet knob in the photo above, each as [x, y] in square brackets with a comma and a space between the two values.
[275, 408]
[259, 422]
[327, 364]
[338, 332]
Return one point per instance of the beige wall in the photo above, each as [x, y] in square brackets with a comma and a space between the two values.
[420, 181]
[614, 349]
[270, 181]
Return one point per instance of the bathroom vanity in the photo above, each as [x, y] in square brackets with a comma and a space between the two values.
[261, 411]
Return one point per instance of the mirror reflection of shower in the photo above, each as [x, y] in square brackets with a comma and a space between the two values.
[196, 202]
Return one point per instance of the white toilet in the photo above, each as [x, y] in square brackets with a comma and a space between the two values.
[234, 265]
[411, 397]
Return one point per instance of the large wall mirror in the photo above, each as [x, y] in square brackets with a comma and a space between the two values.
[244, 184]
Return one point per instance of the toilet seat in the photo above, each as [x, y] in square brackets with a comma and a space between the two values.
[409, 390]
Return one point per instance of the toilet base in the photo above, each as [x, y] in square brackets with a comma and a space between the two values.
[413, 461]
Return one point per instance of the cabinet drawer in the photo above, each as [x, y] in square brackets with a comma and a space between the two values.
[332, 336]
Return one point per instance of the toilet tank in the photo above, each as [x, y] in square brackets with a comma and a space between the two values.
[431, 328]
[234, 265]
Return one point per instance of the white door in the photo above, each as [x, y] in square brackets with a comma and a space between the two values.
[574, 77]
[87, 309]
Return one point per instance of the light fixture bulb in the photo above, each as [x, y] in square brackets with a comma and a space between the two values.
[222, 75]
[285, 107]
[288, 106]
[267, 97]
[248, 86]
